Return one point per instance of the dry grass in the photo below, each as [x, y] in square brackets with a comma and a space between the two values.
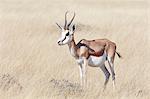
[33, 66]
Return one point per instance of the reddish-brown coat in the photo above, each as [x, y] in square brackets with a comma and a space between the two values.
[94, 48]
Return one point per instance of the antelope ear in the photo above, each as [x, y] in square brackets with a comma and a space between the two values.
[73, 28]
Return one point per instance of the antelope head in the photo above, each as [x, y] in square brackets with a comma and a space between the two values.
[67, 32]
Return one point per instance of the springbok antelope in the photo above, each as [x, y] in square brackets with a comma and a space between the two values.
[89, 52]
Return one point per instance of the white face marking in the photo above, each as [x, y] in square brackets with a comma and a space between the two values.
[65, 38]
[97, 61]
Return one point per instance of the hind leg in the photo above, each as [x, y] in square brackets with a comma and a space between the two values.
[107, 75]
[111, 65]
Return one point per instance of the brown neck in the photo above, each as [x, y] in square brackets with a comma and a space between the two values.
[73, 48]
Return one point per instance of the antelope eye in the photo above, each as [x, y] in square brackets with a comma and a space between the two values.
[67, 34]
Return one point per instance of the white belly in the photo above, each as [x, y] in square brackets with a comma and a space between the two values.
[94, 61]
[97, 61]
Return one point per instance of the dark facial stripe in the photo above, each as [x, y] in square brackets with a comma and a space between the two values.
[64, 39]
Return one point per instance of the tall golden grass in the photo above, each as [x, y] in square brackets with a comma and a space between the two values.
[33, 66]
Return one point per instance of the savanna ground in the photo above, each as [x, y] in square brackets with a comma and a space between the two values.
[33, 66]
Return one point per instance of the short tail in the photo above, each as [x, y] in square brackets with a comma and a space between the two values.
[119, 55]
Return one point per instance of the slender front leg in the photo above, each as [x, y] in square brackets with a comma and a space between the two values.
[81, 74]
[83, 55]
[84, 72]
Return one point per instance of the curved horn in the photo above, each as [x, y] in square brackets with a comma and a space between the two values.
[65, 26]
[71, 20]
[58, 25]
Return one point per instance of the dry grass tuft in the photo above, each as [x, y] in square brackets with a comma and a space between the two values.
[8, 82]
[66, 88]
